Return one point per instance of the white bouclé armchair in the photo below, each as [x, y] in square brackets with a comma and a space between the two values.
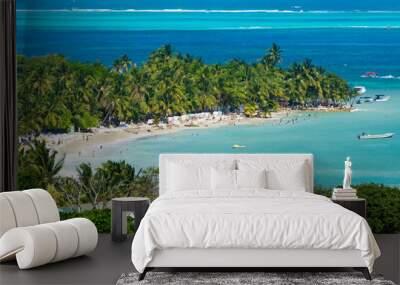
[31, 231]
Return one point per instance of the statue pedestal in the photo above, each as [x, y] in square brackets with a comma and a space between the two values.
[344, 194]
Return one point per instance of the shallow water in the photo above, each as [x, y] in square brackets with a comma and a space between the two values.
[347, 43]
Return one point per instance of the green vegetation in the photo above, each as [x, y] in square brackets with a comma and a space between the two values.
[101, 218]
[58, 95]
[383, 206]
[37, 165]
[383, 211]
[38, 168]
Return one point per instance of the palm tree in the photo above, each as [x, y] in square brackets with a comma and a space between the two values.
[122, 64]
[43, 163]
[55, 93]
[70, 191]
[91, 186]
[273, 56]
[118, 175]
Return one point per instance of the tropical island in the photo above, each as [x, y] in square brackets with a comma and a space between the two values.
[56, 95]
[64, 103]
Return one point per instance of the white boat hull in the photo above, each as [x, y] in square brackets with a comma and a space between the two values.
[383, 99]
[380, 136]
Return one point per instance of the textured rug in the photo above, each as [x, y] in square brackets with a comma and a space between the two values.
[244, 278]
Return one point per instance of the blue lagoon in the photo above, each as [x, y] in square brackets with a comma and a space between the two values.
[349, 43]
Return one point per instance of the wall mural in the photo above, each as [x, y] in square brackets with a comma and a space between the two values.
[105, 86]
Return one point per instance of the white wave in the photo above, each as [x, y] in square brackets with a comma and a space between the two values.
[198, 11]
[160, 11]
[389, 76]
[254, 28]
[382, 11]
[372, 27]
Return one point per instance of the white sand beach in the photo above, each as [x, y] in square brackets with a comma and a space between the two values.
[79, 146]
[77, 142]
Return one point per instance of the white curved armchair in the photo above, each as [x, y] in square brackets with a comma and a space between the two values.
[31, 230]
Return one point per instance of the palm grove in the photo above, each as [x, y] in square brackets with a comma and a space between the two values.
[59, 95]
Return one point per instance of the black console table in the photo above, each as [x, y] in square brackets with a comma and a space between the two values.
[357, 205]
[119, 210]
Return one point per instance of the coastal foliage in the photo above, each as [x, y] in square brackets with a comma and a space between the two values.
[59, 95]
[39, 168]
[38, 165]
[383, 211]
[383, 206]
[111, 179]
[101, 218]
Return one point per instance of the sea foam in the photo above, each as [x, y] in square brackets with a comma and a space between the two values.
[199, 11]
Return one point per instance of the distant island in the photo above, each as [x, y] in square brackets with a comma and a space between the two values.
[56, 95]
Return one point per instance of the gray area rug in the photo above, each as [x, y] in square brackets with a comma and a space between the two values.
[236, 278]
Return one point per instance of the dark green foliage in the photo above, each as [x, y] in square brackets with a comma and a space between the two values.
[58, 95]
[320, 190]
[38, 165]
[113, 179]
[101, 218]
[383, 206]
[38, 168]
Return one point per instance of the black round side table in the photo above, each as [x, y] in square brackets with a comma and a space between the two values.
[120, 207]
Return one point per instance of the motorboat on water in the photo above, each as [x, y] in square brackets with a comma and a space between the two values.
[381, 98]
[360, 89]
[238, 146]
[365, 136]
[370, 74]
[365, 99]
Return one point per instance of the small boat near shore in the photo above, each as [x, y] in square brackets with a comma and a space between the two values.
[365, 99]
[360, 89]
[238, 146]
[370, 74]
[365, 136]
[381, 98]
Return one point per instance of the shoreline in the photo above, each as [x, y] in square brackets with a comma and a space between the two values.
[79, 142]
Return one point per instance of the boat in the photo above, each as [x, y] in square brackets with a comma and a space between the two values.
[381, 98]
[360, 89]
[370, 74]
[365, 99]
[238, 146]
[365, 136]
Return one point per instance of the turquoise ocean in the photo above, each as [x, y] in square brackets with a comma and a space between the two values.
[348, 42]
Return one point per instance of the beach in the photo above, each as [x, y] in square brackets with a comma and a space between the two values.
[348, 43]
[92, 142]
[82, 143]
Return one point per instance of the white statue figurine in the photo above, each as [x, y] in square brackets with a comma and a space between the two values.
[347, 174]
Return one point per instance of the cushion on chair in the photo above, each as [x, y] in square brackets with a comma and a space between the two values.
[23, 208]
[37, 245]
[32, 246]
[67, 240]
[45, 206]
[87, 234]
[31, 232]
[7, 220]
